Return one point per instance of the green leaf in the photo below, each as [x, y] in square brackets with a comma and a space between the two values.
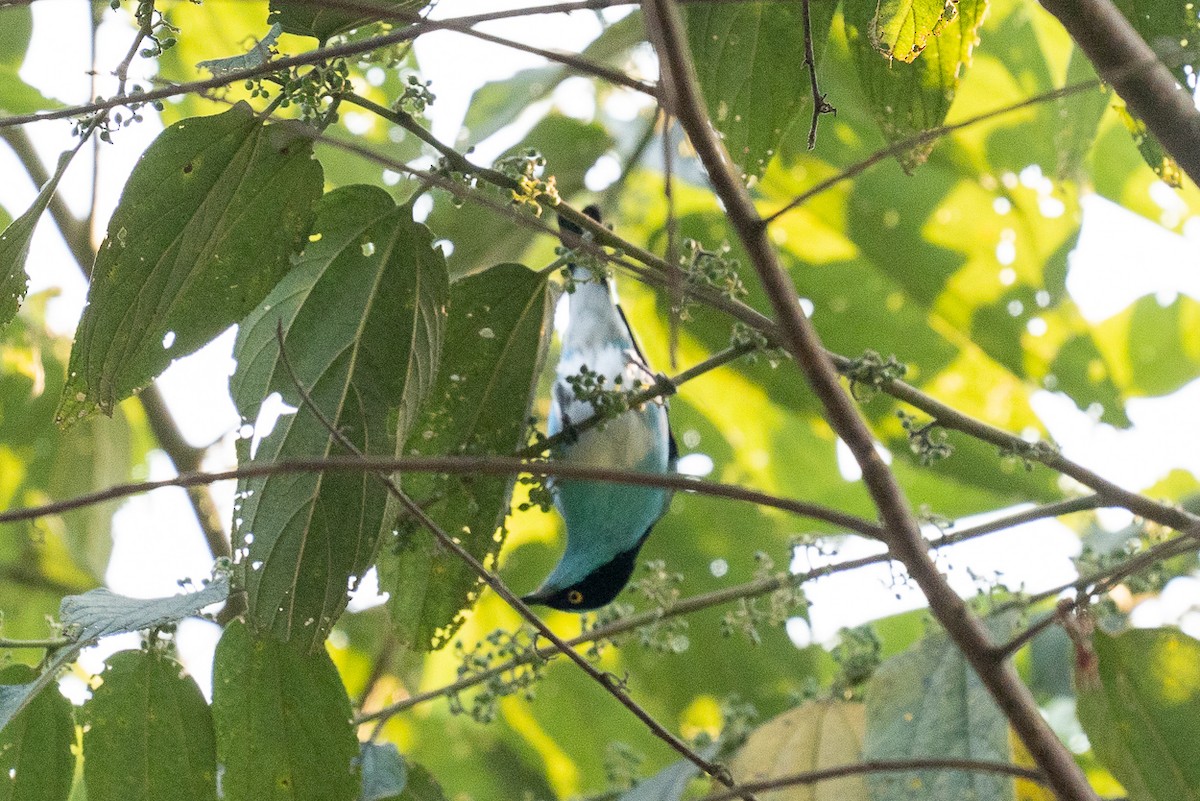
[1170, 27]
[750, 63]
[499, 321]
[283, 722]
[908, 99]
[204, 230]
[1139, 700]
[18, 97]
[362, 315]
[901, 28]
[1151, 348]
[14, 243]
[36, 763]
[149, 733]
[16, 29]
[305, 19]
[928, 702]
[816, 735]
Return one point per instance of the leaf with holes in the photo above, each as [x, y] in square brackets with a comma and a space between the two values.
[149, 733]
[205, 227]
[901, 28]
[909, 99]
[282, 722]
[499, 320]
[362, 315]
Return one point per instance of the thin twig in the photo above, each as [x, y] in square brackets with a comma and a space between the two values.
[50, 643]
[493, 581]
[810, 61]
[752, 589]
[886, 766]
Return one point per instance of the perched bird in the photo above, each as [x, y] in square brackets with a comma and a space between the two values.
[606, 523]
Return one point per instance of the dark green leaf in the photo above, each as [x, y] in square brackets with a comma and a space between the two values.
[908, 99]
[149, 733]
[204, 229]
[14, 244]
[750, 62]
[283, 722]
[362, 315]
[1170, 27]
[928, 702]
[494, 343]
[1138, 701]
[314, 19]
[36, 763]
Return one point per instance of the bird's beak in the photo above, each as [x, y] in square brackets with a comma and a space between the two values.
[539, 596]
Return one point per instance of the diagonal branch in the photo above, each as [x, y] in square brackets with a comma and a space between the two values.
[902, 532]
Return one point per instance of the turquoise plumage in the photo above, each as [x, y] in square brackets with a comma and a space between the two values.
[606, 523]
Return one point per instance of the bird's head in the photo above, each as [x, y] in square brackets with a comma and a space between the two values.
[598, 588]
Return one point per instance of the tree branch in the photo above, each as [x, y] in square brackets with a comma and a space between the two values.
[1148, 88]
[901, 530]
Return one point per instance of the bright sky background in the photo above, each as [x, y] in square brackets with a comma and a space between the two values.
[1120, 257]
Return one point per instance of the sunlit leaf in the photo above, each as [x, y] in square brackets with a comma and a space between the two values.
[362, 316]
[36, 763]
[1138, 700]
[908, 99]
[149, 733]
[204, 229]
[494, 344]
[819, 734]
[282, 721]
[901, 28]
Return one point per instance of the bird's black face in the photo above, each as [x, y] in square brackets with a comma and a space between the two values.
[598, 589]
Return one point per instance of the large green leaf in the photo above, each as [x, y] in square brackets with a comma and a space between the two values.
[1139, 700]
[16, 28]
[908, 99]
[750, 62]
[283, 722]
[204, 229]
[320, 21]
[362, 315]
[928, 703]
[494, 344]
[149, 733]
[36, 763]
[14, 243]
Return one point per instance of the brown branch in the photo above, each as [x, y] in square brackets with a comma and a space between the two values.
[902, 532]
[886, 766]
[753, 589]
[1148, 88]
[454, 465]
[605, 680]
[810, 61]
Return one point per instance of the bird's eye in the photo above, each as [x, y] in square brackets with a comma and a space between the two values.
[575, 597]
